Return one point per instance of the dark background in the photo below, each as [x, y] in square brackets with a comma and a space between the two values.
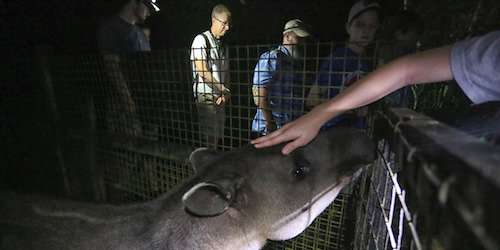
[68, 27]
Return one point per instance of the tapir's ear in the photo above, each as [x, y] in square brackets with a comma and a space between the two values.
[201, 157]
[211, 198]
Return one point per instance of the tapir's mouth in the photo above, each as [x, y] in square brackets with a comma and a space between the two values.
[332, 190]
[296, 222]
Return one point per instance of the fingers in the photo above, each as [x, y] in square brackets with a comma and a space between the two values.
[288, 148]
[267, 140]
[276, 138]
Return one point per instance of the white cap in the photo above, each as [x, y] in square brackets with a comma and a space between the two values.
[297, 26]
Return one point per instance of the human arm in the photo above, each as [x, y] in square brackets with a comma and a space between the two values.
[208, 78]
[425, 67]
[226, 95]
[266, 109]
[326, 79]
[265, 76]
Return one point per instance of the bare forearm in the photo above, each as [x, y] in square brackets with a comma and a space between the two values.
[264, 104]
[208, 77]
[424, 67]
[212, 82]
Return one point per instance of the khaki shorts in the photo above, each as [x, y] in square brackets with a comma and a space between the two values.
[211, 117]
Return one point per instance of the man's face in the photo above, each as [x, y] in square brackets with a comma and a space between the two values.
[362, 29]
[294, 44]
[292, 39]
[220, 24]
[142, 12]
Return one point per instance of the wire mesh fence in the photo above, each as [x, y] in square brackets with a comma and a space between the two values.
[128, 124]
[136, 119]
[427, 187]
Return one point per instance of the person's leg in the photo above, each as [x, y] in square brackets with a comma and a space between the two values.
[211, 120]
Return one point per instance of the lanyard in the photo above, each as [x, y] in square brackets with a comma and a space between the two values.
[217, 41]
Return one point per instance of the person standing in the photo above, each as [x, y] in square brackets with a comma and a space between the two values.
[278, 87]
[211, 76]
[119, 36]
[348, 64]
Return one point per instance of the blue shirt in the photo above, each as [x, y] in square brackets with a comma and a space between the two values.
[119, 37]
[340, 70]
[285, 87]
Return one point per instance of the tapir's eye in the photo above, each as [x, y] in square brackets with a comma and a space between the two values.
[300, 171]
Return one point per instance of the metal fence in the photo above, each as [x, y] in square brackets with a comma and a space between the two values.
[121, 154]
[433, 187]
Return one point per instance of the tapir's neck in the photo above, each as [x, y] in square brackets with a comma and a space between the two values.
[181, 230]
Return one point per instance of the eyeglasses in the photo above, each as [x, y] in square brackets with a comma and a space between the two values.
[228, 23]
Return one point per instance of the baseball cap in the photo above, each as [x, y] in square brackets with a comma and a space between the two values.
[151, 4]
[360, 7]
[297, 26]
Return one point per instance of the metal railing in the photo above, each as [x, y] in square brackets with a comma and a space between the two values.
[433, 187]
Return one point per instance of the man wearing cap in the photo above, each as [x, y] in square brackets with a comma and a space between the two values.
[120, 35]
[278, 88]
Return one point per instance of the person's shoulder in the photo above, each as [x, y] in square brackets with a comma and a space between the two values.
[199, 40]
[273, 53]
[116, 22]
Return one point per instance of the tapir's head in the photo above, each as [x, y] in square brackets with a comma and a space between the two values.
[273, 194]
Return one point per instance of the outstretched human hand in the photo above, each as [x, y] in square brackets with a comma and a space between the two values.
[299, 132]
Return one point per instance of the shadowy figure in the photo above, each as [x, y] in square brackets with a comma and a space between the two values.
[119, 36]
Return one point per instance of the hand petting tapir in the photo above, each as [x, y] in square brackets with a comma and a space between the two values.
[235, 200]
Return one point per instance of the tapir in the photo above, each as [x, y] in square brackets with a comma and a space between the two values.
[236, 199]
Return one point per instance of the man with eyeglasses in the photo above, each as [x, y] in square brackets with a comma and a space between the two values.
[211, 78]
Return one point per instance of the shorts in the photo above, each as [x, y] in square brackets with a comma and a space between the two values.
[211, 117]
